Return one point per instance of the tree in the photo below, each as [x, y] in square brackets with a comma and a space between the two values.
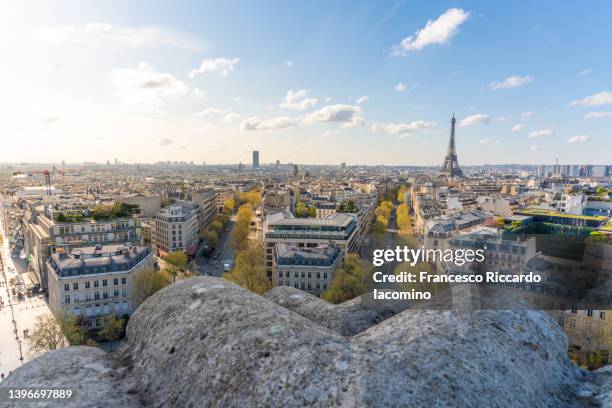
[47, 335]
[301, 211]
[177, 261]
[216, 226]
[400, 193]
[147, 282]
[250, 270]
[75, 329]
[228, 206]
[60, 217]
[348, 282]
[347, 206]
[240, 232]
[113, 329]
[211, 237]
[254, 197]
[312, 211]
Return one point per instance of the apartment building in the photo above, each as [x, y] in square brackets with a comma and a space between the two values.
[208, 206]
[339, 229]
[308, 269]
[176, 228]
[94, 281]
[49, 227]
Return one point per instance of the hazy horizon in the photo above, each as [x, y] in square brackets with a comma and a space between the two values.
[321, 83]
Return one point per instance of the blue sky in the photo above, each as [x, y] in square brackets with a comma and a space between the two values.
[307, 82]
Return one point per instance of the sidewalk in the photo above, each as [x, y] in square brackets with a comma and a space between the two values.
[13, 346]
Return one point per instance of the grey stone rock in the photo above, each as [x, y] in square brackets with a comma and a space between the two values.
[207, 342]
[87, 371]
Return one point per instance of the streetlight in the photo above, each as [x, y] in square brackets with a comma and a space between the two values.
[20, 353]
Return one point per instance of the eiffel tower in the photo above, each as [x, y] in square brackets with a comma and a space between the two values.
[450, 167]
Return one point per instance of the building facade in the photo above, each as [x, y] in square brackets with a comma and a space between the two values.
[176, 228]
[95, 281]
[308, 269]
[340, 229]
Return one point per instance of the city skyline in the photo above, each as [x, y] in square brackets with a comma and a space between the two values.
[373, 84]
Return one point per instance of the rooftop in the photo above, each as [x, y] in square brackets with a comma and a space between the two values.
[96, 259]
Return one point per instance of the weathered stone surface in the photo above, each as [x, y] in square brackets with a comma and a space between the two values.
[348, 318]
[87, 371]
[206, 342]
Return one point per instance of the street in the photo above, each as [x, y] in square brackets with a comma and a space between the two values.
[15, 315]
[213, 266]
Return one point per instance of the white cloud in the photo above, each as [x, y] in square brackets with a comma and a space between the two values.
[475, 119]
[146, 88]
[585, 72]
[333, 113]
[231, 117]
[400, 128]
[598, 115]
[296, 100]
[115, 36]
[437, 31]
[535, 148]
[598, 99]
[221, 66]
[49, 119]
[362, 99]
[579, 139]
[510, 82]
[287, 64]
[211, 111]
[489, 141]
[165, 142]
[197, 93]
[400, 87]
[541, 133]
[518, 127]
[528, 114]
[277, 123]
[357, 121]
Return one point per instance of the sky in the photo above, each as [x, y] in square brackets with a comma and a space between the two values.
[318, 82]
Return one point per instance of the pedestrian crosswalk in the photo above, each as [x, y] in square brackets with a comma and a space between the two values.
[221, 261]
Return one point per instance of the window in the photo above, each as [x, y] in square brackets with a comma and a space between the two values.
[280, 274]
[123, 281]
[66, 286]
[561, 321]
[75, 286]
[590, 312]
[96, 295]
[602, 315]
[96, 284]
[574, 309]
[104, 282]
[105, 295]
[88, 297]
[324, 275]
[124, 292]
[87, 285]
[66, 299]
[115, 281]
[116, 293]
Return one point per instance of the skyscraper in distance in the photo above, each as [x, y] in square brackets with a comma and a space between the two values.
[255, 159]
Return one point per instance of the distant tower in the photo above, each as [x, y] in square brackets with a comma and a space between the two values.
[255, 159]
[295, 171]
[450, 167]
